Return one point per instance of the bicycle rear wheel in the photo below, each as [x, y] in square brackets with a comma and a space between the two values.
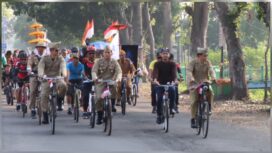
[166, 116]
[76, 108]
[92, 116]
[205, 119]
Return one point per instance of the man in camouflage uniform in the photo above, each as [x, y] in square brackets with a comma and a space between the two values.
[128, 70]
[199, 70]
[105, 68]
[52, 65]
[33, 62]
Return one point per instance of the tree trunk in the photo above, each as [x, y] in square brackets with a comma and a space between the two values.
[167, 25]
[124, 34]
[137, 27]
[266, 72]
[199, 27]
[150, 35]
[235, 54]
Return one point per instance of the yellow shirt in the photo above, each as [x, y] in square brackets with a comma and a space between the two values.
[152, 64]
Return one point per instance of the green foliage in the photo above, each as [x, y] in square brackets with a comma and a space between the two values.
[257, 94]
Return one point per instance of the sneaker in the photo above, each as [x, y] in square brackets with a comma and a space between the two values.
[85, 115]
[18, 107]
[159, 120]
[113, 109]
[193, 123]
[177, 109]
[154, 110]
[118, 103]
[172, 111]
[33, 114]
[69, 112]
[45, 118]
[99, 118]
[128, 101]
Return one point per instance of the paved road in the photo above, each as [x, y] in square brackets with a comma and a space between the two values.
[135, 132]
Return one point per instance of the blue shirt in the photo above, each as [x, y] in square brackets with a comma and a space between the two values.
[75, 71]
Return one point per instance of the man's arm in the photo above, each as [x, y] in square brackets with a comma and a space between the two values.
[190, 69]
[174, 72]
[118, 72]
[63, 68]
[155, 74]
[41, 66]
[95, 70]
[211, 71]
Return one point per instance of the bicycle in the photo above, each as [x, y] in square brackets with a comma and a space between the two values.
[52, 101]
[202, 117]
[123, 94]
[91, 106]
[134, 92]
[165, 106]
[107, 106]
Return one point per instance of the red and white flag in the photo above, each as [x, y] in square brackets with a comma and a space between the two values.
[110, 32]
[88, 32]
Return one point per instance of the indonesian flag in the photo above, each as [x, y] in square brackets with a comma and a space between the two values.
[88, 32]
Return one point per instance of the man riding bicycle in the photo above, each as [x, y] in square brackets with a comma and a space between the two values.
[128, 71]
[21, 74]
[165, 71]
[75, 73]
[105, 68]
[198, 71]
[33, 62]
[52, 65]
[88, 61]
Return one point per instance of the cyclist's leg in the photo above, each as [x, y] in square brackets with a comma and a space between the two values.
[62, 88]
[113, 90]
[129, 86]
[153, 98]
[87, 87]
[159, 92]
[18, 94]
[69, 95]
[45, 91]
[194, 107]
[99, 102]
[172, 98]
[210, 99]
[33, 92]
[119, 92]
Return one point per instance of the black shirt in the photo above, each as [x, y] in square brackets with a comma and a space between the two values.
[165, 72]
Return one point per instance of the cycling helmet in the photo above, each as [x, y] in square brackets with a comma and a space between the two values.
[74, 50]
[91, 49]
[22, 54]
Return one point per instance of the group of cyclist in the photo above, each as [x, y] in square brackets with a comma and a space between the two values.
[85, 64]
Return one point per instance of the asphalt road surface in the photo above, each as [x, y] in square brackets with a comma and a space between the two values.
[134, 132]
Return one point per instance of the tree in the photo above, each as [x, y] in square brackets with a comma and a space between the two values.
[200, 26]
[235, 55]
[264, 15]
[149, 31]
[167, 24]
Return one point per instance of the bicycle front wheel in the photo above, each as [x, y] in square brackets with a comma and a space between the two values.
[108, 118]
[166, 116]
[205, 119]
[39, 110]
[92, 115]
[53, 114]
[198, 119]
[76, 108]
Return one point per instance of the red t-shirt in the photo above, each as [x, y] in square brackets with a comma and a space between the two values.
[22, 70]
